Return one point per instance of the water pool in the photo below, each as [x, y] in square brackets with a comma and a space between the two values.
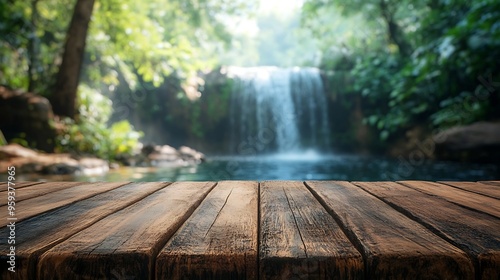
[307, 166]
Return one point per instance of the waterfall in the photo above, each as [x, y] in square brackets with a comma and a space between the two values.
[277, 110]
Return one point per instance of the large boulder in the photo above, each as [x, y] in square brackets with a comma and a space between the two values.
[191, 155]
[28, 161]
[28, 116]
[165, 156]
[478, 142]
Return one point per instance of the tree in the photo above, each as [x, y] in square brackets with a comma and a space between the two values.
[152, 39]
[63, 98]
[443, 72]
[394, 15]
[14, 30]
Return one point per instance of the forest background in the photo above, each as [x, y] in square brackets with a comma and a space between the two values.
[431, 65]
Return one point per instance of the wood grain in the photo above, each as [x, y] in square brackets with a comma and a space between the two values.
[299, 239]
[394, 246]
[18, 185]
[116, 230]
[464, 198]
[478, 188]
[44, 231]
[219, 241]
[476, 233]
[125, 244]
[38, 205]
[492, 183]
[37, 190]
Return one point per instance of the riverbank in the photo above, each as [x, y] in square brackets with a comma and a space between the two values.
[309, 166]
[28, 161]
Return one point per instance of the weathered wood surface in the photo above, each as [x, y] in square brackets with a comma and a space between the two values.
[475, 233]
[251, 230]
[464, 198]
[125, 244]
[394, 246]
[479, 188]
[35, 190]
[17, 185]
[219, 241]
[55, 226]
[38, 205]
[493, 183]
[300, 240]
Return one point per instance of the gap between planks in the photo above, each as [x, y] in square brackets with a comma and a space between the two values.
[129, 240]
[464, 198]
[343, 226]
[34, 190]
[18, 185]
[35, 206]
[55, 226]
[474, 232]
[477, 188]
[393, 245]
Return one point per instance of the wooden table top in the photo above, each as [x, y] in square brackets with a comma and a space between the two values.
[252, 230]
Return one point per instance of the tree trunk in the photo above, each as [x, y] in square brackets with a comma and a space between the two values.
[394, 31]
[64, 95]
[33, 49]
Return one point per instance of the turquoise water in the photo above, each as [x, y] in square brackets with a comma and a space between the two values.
[308, 166]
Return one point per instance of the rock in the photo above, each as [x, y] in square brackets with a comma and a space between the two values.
[415, 145]
[16, 150]
[148, 149]
[478, 142]
[191, 154]
[29, 161]
[114, 165]
[167, 150]
[164, 153]
[93, 166]
[29, 116]
[60, 168]
[166, 156]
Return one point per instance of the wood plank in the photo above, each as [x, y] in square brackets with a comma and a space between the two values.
[44, 231]
[476, 233]
[219, 241]
[37, 190]
[38, 205]
[493, 183]
[467, 199]
[18, 185]
[299, 239]
[394, 246]
[478, 188]
[126, 243]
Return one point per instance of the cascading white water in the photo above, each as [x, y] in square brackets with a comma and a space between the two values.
[277, 110]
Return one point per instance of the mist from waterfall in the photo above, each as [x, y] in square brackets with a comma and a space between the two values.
[277, 110]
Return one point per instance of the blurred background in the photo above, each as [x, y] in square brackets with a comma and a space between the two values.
[167, 90]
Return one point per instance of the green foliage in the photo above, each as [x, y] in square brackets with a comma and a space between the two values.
[152, 39]
[445, 72]
[375, 78]
[205, 114]
[130, 44]
[462, 109]
[44, 28]
[21, 140]
[447, 80]
[90, 134]
[155, 39]
[13, 21]
[2, 139]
